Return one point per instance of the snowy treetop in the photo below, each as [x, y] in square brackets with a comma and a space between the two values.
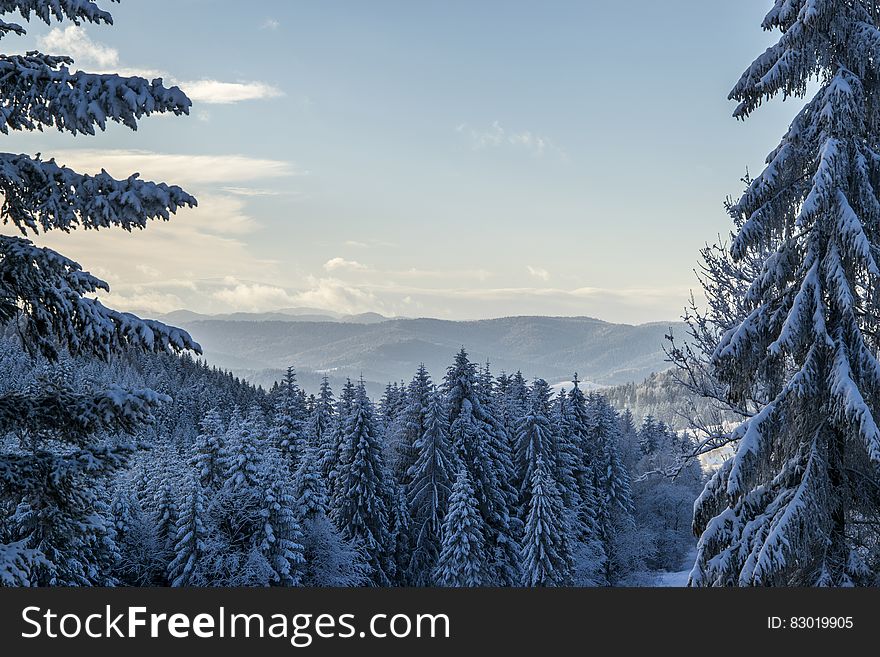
[788, 65]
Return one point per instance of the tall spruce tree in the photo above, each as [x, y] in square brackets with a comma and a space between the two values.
[590, 507]
[410, 425]
[309, 490]
[243, 456]
[789, 508]
[321, 418]
[51, 301]
[189, 539]
[545, 550]
[279, 537]
[485, 451]
[363, 506]
[334, 448]
[289, 426]
[431, 481]
[462, 560]
[535, 441]
[210, 447]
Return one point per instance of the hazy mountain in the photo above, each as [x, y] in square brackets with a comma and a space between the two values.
[382, 349]
[178, 317]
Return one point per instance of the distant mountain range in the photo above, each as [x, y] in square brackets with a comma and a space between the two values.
[283, 315]
[259, 346]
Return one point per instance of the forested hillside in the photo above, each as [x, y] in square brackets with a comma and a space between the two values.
[474, 481]
[549, 347]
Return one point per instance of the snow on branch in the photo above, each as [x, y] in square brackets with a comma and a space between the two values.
[71, 415]
[44, 292]
[38, 194]
[40, 91]
[20, 472]
[46, 10]
[6, 28]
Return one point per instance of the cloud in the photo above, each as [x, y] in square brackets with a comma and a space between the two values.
[538, 272]
[369, 244]
[255, 297]
[444, 274]
[270, 24]
[336, 295]
[215, 92]
[143, 299]
[336, 264]
[496, 136]
[178, 169]
[75, 41]
[250, 191]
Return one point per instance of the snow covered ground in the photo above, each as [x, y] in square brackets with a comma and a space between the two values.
[677, 579]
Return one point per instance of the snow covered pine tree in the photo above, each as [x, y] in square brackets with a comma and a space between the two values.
[794, 506]
[44, 295]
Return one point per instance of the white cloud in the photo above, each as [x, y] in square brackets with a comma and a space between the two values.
[369, 244]
[224, 215]
[215, 92]
[336, 264]
[333, 294]
[177, 169]
[75, 41]
[496, 136]
[143, 299]
[250, 191]
[538, 272]
[255, 297]
[270, 24]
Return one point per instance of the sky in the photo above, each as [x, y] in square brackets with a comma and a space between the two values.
[455, 159]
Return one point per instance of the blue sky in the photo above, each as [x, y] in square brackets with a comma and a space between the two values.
[451, 159]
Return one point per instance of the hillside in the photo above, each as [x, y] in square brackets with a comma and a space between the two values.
[550, 347]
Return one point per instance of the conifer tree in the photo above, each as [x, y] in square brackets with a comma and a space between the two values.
[242, 458]
[51, 302]
[321, 418]
[289, 427]
[482, 447]
[279, 540]
[462, 560]
[210, 448]
[591, 505]
[411, 425]
[309, 491]
[362, 508]
[189, 540]
[399, 533]
[787, 509]
[614, 495]
[535, 440]
[431, 478]
[546, 561]
[333, 452]
[166, 517]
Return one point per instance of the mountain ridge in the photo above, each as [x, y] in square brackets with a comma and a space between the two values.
[390, 349]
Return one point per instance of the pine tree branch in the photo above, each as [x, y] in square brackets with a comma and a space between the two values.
[73, 10]
[40, 91]
[43, 195]
[44, 291]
